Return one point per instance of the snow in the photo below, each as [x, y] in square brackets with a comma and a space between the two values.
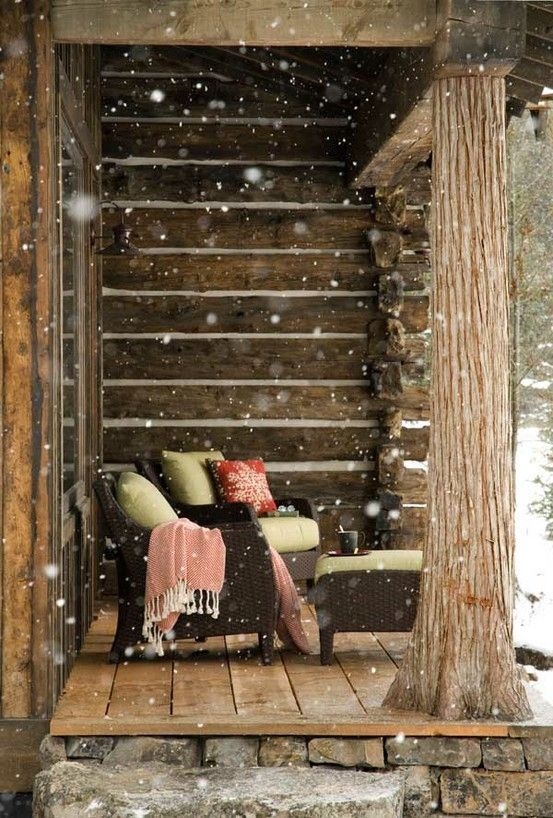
[533, 622]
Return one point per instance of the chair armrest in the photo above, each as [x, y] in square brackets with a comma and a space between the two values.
[305, 507]
[214, 513]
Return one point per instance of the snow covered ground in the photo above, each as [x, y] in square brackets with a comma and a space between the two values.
[533, 624]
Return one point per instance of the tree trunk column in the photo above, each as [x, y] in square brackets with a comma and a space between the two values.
[461, 661]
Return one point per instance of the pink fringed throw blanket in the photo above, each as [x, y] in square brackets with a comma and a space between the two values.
[185, 574]
[289, 628]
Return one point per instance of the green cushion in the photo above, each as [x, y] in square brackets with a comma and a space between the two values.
[286, 534]
[187, 476]
[142, 501]
[393, 560]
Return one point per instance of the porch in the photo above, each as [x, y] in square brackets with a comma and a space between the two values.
[221, 688]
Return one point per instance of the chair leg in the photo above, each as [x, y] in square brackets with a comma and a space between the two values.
[326, 639]
[266, 645]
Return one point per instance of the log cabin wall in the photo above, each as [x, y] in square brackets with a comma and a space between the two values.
[77, 360]
[256, 320]
[41, 604]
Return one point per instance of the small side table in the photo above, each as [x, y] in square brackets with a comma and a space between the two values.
[378, 591]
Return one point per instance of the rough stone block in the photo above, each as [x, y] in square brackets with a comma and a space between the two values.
[185, 752]
[435, 751]
[347, 752]
[231, 752]
[503, 754]
[421, 791]
[539, 753]
[283, 751]
[68, 790]
[51, 750]
[483, 792]
[88, 746]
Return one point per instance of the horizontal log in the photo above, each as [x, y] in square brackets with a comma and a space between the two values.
[532, 71]
[540, 50]
[521, 89]
[540, 22]
[247, 228]
[410, 23]
[242, 358]
[252, 272]
[413, 486]
[270, 443]
[175, 313]
[255, 143]
[201, 95]
[331, 488]
[402, 540]
[230, 183]
[319, 402]
[349, 518]
[123, 444]
[417, 186]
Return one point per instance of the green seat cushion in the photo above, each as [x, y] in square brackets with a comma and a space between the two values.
[188, 478]
[393, 560]
[142, 501]
[286, 534]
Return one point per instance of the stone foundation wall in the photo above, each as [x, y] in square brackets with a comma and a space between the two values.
[443, 776]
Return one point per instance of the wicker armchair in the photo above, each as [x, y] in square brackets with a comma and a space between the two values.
[248, 601]
[301, 564]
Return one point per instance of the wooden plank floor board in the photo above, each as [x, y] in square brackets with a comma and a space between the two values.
[368, 668]
[395, 644]
[142, 687]
[201, 683]
[259, 690]
[220, 687]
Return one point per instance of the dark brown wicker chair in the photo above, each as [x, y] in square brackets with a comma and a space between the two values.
[248, 601]
[301, 564]
[381, 600]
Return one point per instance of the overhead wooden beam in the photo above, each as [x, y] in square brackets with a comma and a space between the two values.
[479, 36]
[393, 130]
[276, 22]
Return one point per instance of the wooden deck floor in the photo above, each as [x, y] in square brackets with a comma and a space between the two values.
[223, 689]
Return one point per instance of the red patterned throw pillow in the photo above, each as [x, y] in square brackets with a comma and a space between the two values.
[243, 481]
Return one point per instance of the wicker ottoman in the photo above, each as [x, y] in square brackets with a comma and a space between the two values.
[371, 592]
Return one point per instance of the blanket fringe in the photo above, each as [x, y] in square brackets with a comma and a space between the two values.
[182, 599]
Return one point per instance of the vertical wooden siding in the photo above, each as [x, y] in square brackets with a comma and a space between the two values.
[245, 325]
[73, 588]
[26, 105]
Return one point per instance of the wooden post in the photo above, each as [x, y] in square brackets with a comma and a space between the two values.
[26, 236]
[461, 661]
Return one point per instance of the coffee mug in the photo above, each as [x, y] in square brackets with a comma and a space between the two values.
[349, 541]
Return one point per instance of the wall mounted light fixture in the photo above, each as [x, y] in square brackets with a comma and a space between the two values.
[121, 244]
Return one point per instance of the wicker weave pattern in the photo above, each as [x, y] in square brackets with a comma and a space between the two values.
[248, 601]
[383, 600]
[301, 564]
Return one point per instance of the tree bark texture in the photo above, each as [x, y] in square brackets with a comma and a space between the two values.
[461, 661]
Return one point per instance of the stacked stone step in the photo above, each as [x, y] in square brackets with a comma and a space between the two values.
[426, 775]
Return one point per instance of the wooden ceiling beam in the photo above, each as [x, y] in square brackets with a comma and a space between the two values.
[539, 50]
[267, 62]
[540, 21]
[394, 129]
[333, 66]
[373, 23]
[248, 64]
